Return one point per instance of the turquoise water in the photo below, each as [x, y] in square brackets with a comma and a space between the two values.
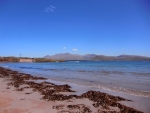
[121, 76]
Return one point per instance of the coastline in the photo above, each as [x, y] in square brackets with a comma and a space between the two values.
[20, 93]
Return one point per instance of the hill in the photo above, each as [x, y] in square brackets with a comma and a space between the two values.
[68, 56]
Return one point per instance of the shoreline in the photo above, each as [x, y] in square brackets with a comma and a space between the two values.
[133, 84]
[60, 98]
[138, 102]
[101, 88]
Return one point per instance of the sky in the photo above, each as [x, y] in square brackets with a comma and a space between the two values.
[35, 28]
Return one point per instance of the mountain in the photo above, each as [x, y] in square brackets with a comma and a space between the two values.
[68, 56]
[88, 56]
[121, 58]
[104, 58]
[133, 57]
[65, 56]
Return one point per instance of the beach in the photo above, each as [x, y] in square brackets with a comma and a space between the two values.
[24, 93]
[78, 56]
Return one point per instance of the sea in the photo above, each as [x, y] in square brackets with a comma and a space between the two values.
[131, 77]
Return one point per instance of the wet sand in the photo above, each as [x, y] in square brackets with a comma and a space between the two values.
[23, 93]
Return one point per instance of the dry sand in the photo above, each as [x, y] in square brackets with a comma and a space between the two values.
[12, 101]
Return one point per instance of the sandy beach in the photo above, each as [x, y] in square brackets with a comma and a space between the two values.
[24, 93]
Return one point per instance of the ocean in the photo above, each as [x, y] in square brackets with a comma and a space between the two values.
[131, 77]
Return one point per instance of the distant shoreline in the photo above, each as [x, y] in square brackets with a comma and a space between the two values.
[16, 59]
[63, 57]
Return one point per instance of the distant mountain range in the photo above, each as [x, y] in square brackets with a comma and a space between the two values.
[68, 56]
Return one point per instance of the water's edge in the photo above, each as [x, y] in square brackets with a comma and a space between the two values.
[136, 83]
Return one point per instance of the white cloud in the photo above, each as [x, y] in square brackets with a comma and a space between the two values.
[53, 7]
[50, 9]
[64, 47]
[74, 49]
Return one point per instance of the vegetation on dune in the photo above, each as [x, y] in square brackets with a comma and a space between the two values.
[9, 59]
[16, 59]
[47, 60]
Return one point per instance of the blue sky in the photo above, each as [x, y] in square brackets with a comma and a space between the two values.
[36, 28]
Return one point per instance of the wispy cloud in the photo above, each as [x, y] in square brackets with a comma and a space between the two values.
[74, 49]
[50, 9]
[64, 47]
[53, 7]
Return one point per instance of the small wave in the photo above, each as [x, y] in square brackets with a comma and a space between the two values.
[125, 90]
[5, 66]
[50, 69]
[111, 72]
[140, 73]
[26, 67]
[30, 68]
[74, 61]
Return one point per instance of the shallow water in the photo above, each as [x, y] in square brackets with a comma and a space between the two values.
[121, 76]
